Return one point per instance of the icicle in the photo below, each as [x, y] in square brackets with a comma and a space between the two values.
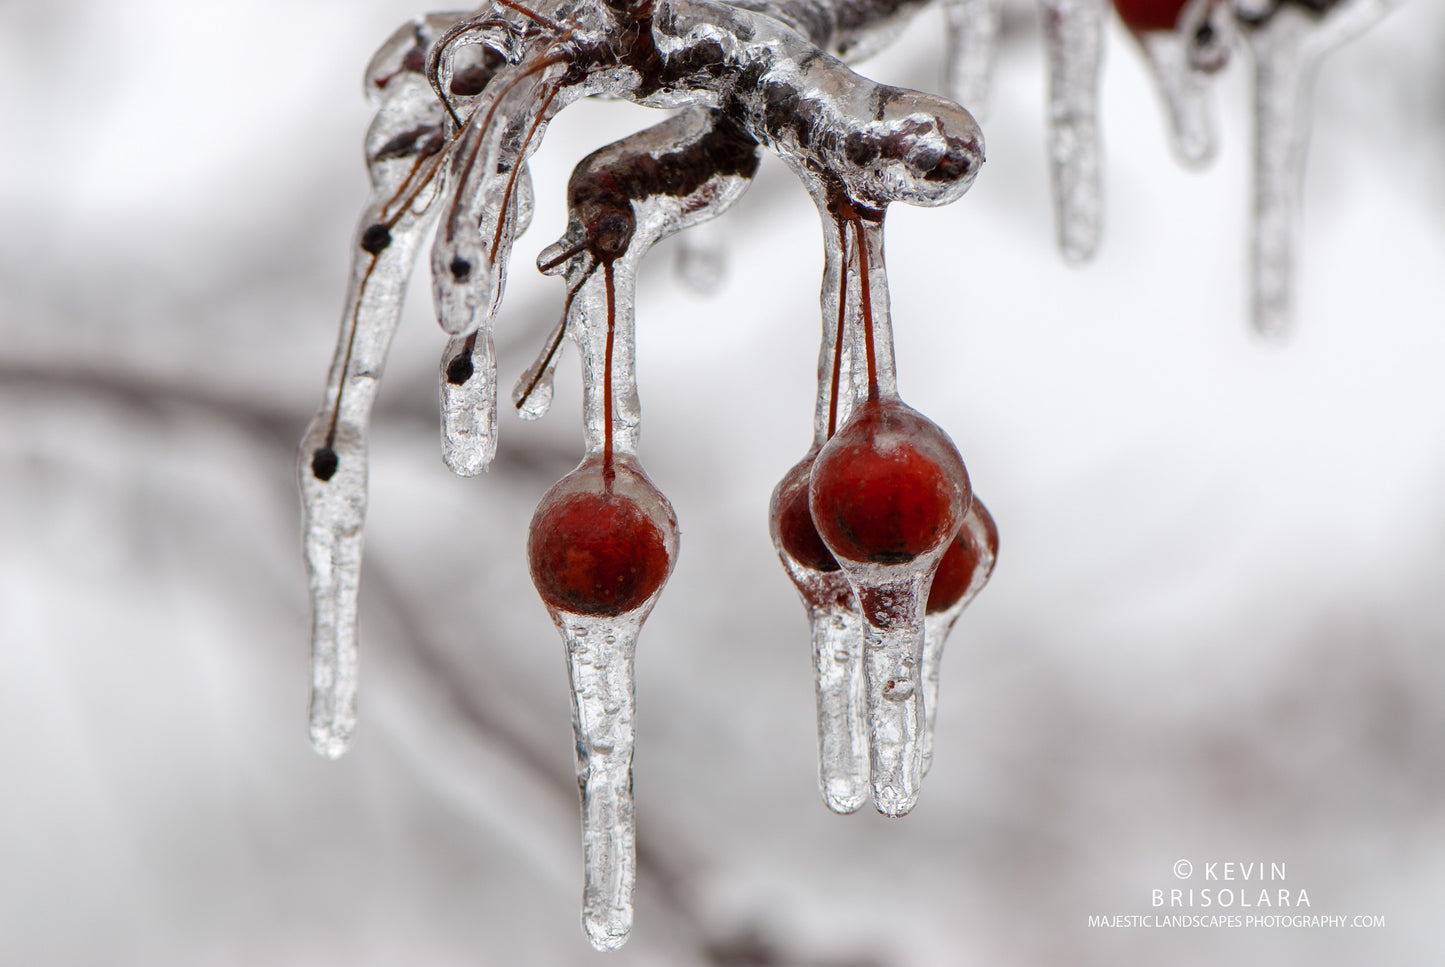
[491, 203]
[972, 47]
[1281, 134]
[468, 386]
[470, 255]
[404, 151]
[888, 492]
[532, 396]
[1073, 31]
[606, 512]
[468, 376]
[1287, 44]
[965, 569]
[603, 542]
[834, 622]
[1186, 96]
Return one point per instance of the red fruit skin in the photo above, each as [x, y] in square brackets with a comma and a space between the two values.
[796, 530]
[954, 574]
[957, 573]
[596, 554]
[888, 487]
[1146, 15]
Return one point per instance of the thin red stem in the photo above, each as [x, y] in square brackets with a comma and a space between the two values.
[556, 343]
[512, 177]
[607, 471]
[542, 63]
[390, 220]
[867, 295]
[839, 334]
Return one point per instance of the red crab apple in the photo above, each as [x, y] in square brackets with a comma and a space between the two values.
[1145, 15]
[888, 487]
[601, 545]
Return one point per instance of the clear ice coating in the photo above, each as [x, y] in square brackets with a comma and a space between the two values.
[468, 376]
[918, 149]
[971, 51]
[404, 149]
[834, 621]
[464, 100]
[965, 569]
[489, 205]
[618, 209]
[1073, 33]
[601, 546]
[887, 492]
[1287, 42]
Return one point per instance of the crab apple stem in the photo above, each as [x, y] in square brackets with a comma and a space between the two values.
[838, 678]
[833, 341]
[893, 623]
[612, 412]
[599, 661]
[876, 332]
[607, 471]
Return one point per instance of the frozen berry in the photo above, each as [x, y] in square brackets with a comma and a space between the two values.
[593, 549]
[793, 521]
[975, 546]
[1145, 15]
[888, 487]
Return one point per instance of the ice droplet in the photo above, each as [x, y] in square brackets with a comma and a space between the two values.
[1073, 32]
[702, 261]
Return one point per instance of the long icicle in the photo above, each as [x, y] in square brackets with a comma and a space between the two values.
[1287, 46]
[965, 569]
[834, 622]
[888, 493]
[971, 52]
[1073, 34]
[403, 155]
[606, 510]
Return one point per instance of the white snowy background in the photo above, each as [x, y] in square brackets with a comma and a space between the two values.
[1214, 633]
